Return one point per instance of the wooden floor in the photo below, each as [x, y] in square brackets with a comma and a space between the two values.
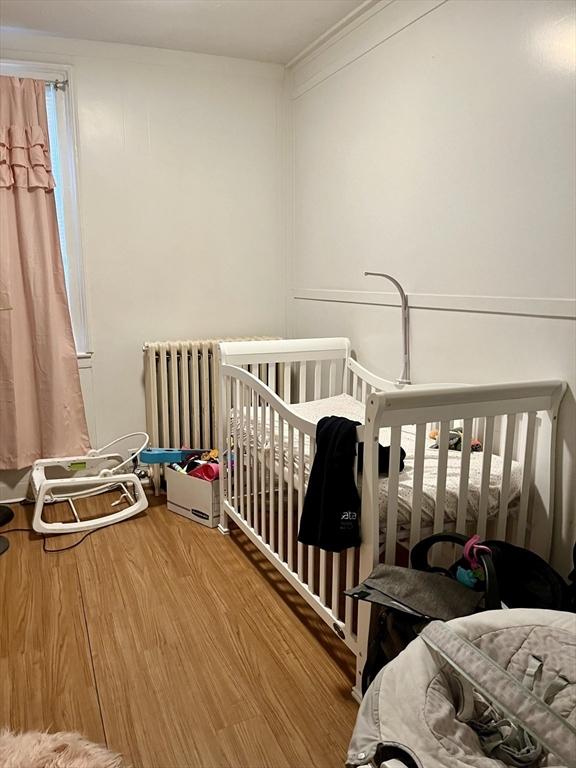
[172, 644]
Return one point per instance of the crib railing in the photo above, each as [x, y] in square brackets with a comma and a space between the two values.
[511, 420]
[359, 382]
[525, 414]
[268, 454]
[268, 450]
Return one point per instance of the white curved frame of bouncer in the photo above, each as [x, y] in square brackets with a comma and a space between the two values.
[107, 479]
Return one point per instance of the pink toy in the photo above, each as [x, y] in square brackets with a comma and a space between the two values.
[208, 471]
[472, 549]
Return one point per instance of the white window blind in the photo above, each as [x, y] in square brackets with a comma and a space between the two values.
[51, 109]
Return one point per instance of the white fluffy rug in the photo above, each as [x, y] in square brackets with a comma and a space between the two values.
[53, 750]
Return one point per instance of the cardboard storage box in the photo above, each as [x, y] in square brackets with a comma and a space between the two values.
[194, 498]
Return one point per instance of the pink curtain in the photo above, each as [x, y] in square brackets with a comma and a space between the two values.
[41, 406]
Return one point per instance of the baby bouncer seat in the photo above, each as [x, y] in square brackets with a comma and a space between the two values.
[64, 479]
[489, 690]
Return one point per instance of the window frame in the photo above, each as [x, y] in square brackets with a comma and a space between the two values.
[68, 142]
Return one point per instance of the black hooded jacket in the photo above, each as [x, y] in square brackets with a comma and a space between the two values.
[331, 514]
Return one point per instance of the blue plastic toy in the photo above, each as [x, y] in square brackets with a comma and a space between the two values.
[466, 577]
[166, 455]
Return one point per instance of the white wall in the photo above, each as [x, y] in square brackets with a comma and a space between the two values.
[436, 141]
[180, 163]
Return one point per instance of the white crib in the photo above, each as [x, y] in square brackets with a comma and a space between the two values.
[272, 395]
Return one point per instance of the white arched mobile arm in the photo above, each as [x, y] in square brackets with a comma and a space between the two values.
[405, 375]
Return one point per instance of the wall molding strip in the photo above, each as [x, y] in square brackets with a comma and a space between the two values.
[564, 309]
[389, 18]
[342, 28]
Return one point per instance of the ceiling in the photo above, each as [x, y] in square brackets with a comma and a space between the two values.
[263, 30]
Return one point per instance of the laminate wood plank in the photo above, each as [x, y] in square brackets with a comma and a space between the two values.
[285, 686]
[173, 644]
[45, 665]
[253, 741]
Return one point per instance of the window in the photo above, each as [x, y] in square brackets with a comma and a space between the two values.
[62, 135]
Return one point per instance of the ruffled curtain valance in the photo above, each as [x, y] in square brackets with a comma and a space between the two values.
[24, 142]
[24, 157]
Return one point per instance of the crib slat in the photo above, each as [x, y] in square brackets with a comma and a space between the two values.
[348, 604]
[392, 501]
[255, 463]
[354, 386]
[363, 391]
[506, 472]
[311, 557]
[416, 521]
[301, 469]
[288, 382]
[310, 452]
[317, 379]
[229, 436]
[280, 476]
[262, 435]
[272, 485]
[272, 376]
[332, 378]
[464, 476]
[248, 432]
[232, 444]
[485, 479]
[441, 478]
[302, 382]
[236, 442]
[322, 576]
[290, 496]
[526, 479]
[335, 604]
[241, 448]
[310, 448]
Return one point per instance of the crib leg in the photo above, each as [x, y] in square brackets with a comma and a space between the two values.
[357, 694]
[223, 524]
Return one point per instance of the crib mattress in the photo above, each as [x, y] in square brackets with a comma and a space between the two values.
[350, 408]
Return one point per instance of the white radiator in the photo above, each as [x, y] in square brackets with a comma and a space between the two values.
[181, 381]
